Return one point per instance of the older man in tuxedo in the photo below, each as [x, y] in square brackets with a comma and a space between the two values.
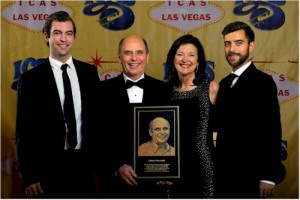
[131, 88]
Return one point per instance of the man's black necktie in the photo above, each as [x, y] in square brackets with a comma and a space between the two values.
[231, 77]
[69, 110]
[139, 83]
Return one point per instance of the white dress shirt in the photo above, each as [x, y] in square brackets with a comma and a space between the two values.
[75, 91]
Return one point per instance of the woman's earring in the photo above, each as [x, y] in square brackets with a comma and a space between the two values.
[197, 68]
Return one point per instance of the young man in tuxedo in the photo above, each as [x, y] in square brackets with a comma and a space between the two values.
[248, 141]
[52, 166]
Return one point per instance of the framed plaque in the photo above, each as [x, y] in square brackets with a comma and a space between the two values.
[156, 142]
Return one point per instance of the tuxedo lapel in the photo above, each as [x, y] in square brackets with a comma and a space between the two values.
[245, 78]
[120, 84]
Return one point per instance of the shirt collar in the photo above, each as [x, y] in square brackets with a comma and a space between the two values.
[57, 64]
[239, 71]
[127, 78]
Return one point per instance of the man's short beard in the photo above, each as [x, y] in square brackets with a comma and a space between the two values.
[240, 61]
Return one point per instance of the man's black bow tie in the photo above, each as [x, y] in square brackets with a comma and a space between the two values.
[139, 83]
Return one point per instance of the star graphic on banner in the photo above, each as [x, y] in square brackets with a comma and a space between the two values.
[97, 61]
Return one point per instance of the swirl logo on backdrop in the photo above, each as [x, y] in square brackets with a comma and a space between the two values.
[264, 15]
[113, 15]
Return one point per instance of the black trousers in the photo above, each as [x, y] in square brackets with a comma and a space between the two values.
[71, 177]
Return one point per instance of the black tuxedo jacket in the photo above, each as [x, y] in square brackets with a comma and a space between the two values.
[249, 137]
[40, 129]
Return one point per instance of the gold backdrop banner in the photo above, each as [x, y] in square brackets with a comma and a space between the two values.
[100, 26]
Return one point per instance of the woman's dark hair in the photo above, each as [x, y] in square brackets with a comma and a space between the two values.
[60, 16]
[199, 72]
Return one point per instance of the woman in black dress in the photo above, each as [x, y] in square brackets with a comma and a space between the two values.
[195, 95]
